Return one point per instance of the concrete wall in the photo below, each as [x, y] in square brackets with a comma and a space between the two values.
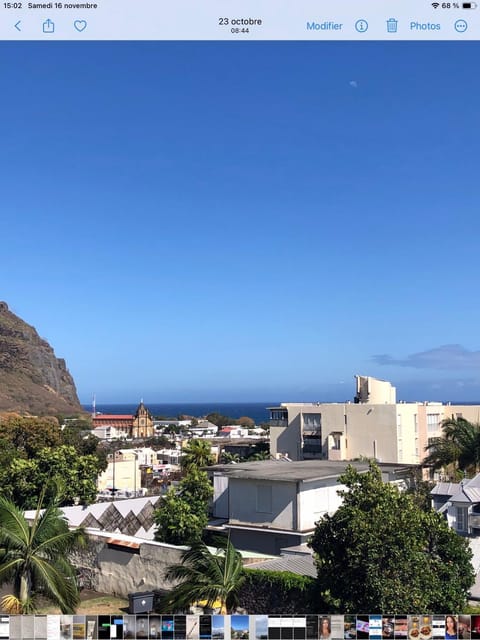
[243, 503]
[120, 572]
[315, 500]
[408, 447]
[220, 496]
[371, 431]
[287, 440]
[373, 391]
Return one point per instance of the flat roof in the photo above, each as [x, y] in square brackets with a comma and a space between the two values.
[284, 471]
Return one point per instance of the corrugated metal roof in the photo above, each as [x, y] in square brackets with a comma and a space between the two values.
[302, 565]
[445, 489]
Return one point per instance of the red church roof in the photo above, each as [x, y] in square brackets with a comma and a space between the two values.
[112, 416]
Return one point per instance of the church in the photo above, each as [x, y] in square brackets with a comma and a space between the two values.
[135, 426]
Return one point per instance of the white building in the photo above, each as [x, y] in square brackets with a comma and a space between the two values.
[124, 470]
[272, 504]
[374, 425]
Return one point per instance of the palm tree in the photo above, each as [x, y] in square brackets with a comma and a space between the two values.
[197, 453]
[206, 577]
[459, 447]
[260, 455]
[228, 458]
[34, 557]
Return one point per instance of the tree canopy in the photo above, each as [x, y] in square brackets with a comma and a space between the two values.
[458, 448]
[182, 514]
[35, 450]
[382, 552]
[197, 453]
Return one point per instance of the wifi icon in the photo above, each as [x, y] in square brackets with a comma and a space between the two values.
[435, 5]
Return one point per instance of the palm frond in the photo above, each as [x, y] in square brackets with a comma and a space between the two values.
[13, 526]
[56, 584]
[206, 576]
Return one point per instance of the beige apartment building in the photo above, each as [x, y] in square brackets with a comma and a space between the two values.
[373, 425]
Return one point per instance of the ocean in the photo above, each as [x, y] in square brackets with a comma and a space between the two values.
[255, 410]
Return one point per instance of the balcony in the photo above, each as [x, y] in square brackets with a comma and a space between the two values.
[312, 431]
[278, 423]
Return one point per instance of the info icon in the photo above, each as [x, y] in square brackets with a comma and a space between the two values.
[361, 26]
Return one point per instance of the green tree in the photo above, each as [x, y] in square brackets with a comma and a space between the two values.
[261, 451]
[458, 448]
[228, 458]
[197, 453]
[381, 552]
[23, 480]
[206, 576]
[219, 419]
[260, 455]
[182, 514]
[246, 422]
[29, 435]
[177, 523]
[34, 556]
[197, 490]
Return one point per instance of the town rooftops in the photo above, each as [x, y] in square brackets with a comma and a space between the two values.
[288, 471]
[467, 491]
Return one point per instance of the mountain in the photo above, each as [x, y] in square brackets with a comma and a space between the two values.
[32, 379]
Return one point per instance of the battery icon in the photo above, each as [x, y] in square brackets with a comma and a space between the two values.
[469, 5]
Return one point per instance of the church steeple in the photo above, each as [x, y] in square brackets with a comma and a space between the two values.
[143, 422]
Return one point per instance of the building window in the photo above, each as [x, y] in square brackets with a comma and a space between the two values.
[264, 498]
[415, 423]
[433, 422]
[336, 441]
[462, 518]
[277, 415]
[312, 420]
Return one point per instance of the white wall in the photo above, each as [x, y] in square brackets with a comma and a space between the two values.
[244, 504]
[316, 501]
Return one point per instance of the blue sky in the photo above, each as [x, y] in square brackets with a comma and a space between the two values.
[245, 221]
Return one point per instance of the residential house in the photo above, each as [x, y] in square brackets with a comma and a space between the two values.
[272, 504]
[233, 432]
[460, 503]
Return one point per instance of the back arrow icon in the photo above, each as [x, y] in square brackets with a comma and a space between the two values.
[17, 25]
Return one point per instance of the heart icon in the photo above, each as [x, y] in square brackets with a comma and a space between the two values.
[80, 25]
